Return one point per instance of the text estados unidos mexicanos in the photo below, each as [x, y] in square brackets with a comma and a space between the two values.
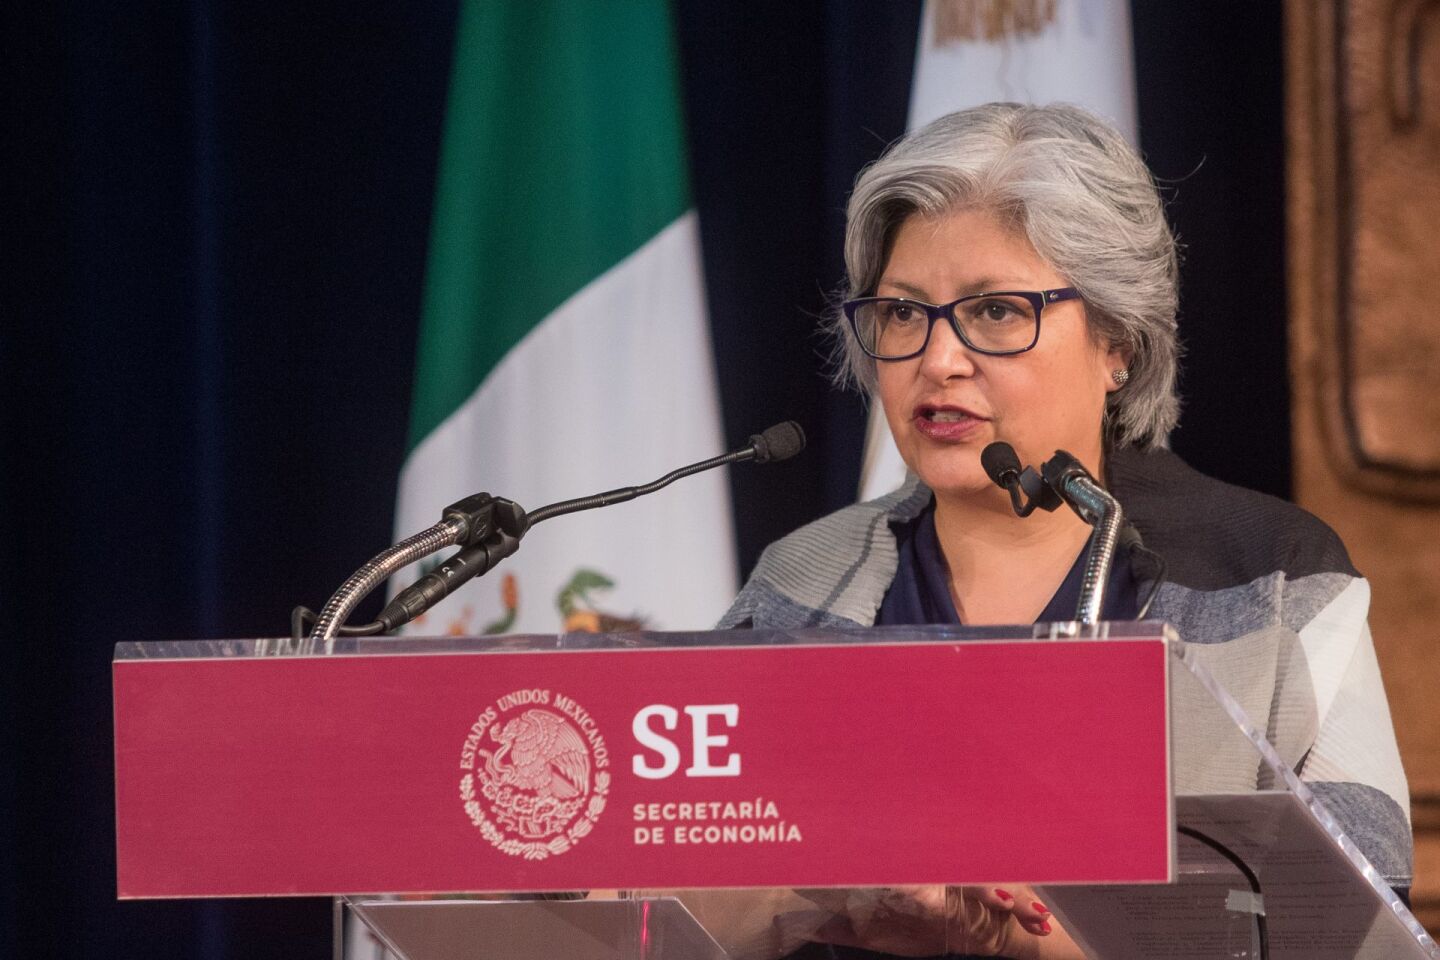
[769, 828]
[588, 728]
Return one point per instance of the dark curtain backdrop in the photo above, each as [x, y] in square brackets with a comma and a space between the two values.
[215, 220]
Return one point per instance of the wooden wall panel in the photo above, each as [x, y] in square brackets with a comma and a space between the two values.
[1363, 133]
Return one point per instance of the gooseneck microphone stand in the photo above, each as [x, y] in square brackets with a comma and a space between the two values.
[488, 530]
[472, 521]
[1068, 477]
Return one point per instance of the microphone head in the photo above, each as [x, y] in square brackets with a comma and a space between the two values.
[1001, 463]
[780, 442]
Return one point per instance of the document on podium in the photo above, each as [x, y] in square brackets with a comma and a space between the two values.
[1318, 904]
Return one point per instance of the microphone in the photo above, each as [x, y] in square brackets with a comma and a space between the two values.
[780, 442]
[1028, 489]
[1001, 463]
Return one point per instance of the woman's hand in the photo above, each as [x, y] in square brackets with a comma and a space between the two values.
[1004, 920]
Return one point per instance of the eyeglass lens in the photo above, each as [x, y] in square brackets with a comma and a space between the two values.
[900, 328]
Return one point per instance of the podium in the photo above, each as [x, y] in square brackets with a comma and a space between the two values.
[735, 794]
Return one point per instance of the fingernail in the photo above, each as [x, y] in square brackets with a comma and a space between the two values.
[1038, 907]
[1045, 926]
[1003, 894]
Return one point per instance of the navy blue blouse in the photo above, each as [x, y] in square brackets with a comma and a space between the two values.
[920, 592]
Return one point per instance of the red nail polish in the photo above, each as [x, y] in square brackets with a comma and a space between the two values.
[1038, 907]
[1003, 894]
[1045, 926]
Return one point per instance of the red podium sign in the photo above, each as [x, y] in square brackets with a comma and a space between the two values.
[720, 766]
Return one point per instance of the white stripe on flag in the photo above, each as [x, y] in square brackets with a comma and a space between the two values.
[614, 388]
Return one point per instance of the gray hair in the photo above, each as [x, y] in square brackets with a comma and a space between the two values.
[1086, 202]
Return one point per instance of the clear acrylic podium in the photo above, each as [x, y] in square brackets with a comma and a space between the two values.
[735, 794]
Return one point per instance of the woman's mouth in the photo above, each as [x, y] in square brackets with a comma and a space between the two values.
[947, 424]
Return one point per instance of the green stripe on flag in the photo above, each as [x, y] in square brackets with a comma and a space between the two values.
[563, 154]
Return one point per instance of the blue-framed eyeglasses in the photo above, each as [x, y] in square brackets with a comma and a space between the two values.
[1000, 324]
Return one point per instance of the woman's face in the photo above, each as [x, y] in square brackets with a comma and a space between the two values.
[946, 405]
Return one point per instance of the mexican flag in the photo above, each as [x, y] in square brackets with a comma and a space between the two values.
[977, 51]
[564, 348]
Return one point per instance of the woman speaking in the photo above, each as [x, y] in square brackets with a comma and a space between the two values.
[1012, 278]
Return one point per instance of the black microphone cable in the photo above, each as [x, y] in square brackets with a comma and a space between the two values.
[780, 442]
[1147, 564]
[1262, 932]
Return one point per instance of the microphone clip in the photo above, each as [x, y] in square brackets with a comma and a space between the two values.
[1038, 493]
[491, 528]
[1028, 490]
[481, 516]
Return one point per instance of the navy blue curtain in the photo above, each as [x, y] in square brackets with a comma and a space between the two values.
[215, 227]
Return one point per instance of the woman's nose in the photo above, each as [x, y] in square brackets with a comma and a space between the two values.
[946, 355]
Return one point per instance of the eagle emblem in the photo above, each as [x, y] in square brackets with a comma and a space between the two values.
[537, 791]
[540, 775]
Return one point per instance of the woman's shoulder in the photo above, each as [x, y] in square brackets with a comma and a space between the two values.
[831, 571]
[1236, 561]
[852, 527]
[1214, 534]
